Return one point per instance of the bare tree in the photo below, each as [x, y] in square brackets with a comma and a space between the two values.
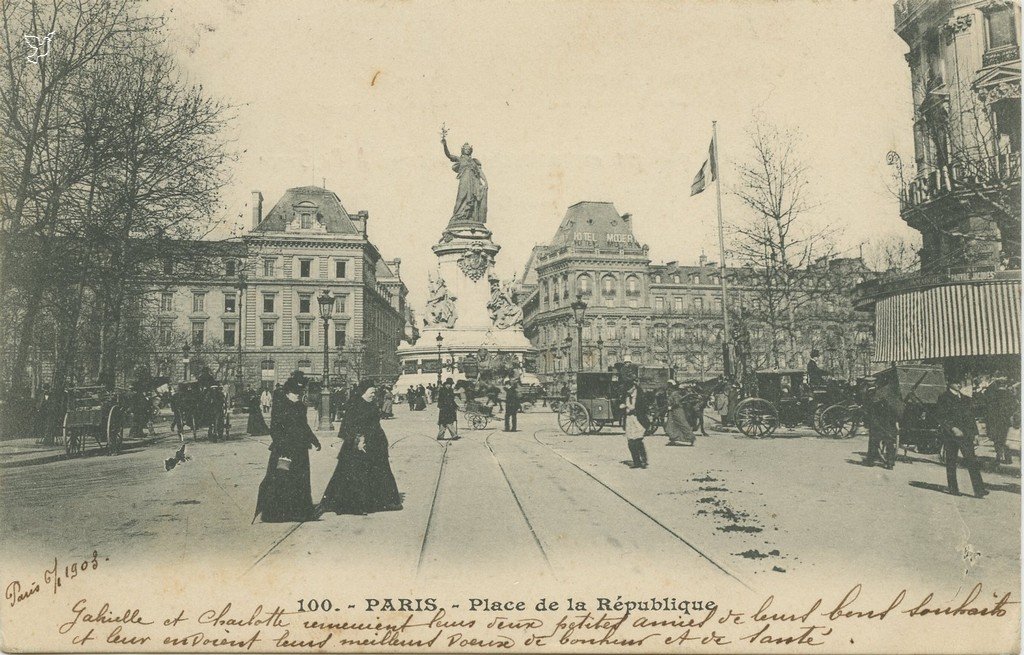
[775, 244]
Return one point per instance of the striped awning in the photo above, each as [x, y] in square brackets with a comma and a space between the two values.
[954, 320]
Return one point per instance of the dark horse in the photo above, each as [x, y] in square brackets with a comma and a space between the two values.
[198, 406]
[698, 396]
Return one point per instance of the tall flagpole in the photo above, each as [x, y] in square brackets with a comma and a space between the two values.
[721, 234]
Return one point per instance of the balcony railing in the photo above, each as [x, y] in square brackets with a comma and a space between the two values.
[984, 173]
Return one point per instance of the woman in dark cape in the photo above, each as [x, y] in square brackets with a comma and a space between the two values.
[257, 425]
[285, 491]
[362, 480]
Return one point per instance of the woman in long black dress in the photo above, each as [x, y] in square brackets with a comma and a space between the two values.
[362, 480]
[285, 491]
[257, 425]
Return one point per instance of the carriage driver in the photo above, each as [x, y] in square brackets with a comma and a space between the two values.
[815, 374]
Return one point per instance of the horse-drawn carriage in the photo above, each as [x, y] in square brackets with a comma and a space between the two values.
[782, 398]
[95, 412]
[201, 405]
[907, 394]
[599, 396]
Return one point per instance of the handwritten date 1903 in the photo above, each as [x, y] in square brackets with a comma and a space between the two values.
[54, 578]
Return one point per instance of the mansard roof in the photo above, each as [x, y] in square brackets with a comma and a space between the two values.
[323, 203]
[591, 224]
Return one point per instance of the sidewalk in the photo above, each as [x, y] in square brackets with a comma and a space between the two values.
[26, 451]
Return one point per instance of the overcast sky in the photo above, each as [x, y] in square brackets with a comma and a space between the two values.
[562, 102]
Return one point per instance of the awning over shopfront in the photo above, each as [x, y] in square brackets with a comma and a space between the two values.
[952, 320]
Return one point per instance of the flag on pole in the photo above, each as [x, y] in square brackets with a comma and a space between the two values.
[707, 173]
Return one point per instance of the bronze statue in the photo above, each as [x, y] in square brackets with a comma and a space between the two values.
[471, 201]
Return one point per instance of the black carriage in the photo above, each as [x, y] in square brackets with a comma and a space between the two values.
[203, 405]
[782, 398]
[594, 406]
[95, 413]
[911, 392]
[907, 393]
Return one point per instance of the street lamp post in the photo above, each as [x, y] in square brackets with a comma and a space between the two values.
[326, 302]
[241, 286]
[600, 353]
[579, 310]
[440, 343]
[185, 350]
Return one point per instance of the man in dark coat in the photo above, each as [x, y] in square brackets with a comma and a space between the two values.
[447, 411]
[512, 406]
[815, 374]
[955, 417]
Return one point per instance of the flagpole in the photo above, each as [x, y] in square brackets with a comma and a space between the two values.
[721, 235]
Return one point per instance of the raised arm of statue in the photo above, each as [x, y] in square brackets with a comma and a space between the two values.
[447, 154]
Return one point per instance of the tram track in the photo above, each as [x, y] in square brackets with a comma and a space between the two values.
[296, 527]
[519, 504]
[433, 505]
[705, 556]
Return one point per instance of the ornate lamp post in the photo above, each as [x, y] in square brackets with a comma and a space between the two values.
[326, 301]
[241, 286]
[185, 351]
[568, 353]
[600, 353]
[440, 343]
[579, 310]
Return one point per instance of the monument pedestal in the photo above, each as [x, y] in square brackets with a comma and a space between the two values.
[465, 262]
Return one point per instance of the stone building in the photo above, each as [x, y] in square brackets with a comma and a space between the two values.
[265, 298]
[668, 314]
[963, 193]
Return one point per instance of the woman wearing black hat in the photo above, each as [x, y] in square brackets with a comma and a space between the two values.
[362, 480]
[285, 491]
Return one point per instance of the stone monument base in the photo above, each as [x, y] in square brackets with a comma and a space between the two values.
[456, 344]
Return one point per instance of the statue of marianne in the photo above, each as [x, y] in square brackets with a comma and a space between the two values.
[471, 201]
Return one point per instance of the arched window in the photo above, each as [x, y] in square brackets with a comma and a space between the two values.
[608, 285]
[657, 279]
[584, 284]
[675, 279]
[633, 285]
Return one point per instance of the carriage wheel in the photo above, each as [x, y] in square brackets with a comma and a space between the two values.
[595, 427]
[840, 421]
[757, 418]
[72, 439]
[478, 421]
[816, 417]
[115, 430]
[573, 418]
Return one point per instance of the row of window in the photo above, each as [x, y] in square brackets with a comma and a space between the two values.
[268, 334]
[305, 267]
[306, 303]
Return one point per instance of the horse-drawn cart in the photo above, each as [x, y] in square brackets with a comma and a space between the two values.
[97, 413]
[477, 413]
[782, 398]
[595, 405]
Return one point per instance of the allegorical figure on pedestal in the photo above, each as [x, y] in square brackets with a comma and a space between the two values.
[440, 305]
[471, 201]
[505, 312]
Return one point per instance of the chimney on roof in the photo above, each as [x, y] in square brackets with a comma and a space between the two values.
[360, 220]
[703, 259]
[257, 209]
[397, 266]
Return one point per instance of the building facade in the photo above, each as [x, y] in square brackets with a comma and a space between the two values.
[669, 314]
[963, 195]
[262, 308]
